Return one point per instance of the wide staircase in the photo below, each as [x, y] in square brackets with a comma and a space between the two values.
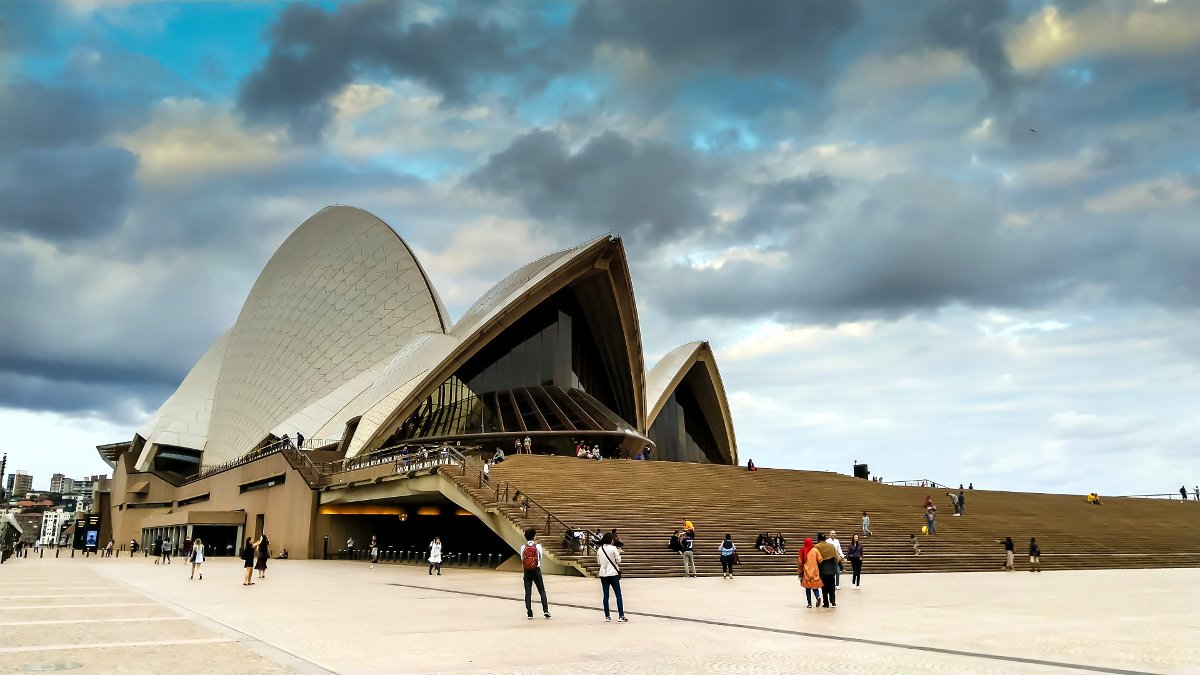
[647, 501]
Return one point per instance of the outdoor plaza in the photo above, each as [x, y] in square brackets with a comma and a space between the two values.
[126, 615]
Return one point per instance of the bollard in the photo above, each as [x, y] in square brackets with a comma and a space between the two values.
[40, 553]
[56, 551]
[72, 553]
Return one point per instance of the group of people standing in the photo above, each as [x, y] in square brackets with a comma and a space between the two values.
[819, 567]
[1035, 554]
[683, 542]
[254, 557]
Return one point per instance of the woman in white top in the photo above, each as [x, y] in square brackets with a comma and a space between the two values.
[609, 559]
[435, 555]
[197, 558]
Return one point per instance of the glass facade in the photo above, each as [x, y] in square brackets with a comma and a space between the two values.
[681, 432]
[550, 371]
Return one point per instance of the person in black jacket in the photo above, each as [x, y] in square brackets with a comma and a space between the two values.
[1035, 553]
[248, 562]
[828, 568]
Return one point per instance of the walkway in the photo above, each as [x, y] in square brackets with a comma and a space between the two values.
[313, 616]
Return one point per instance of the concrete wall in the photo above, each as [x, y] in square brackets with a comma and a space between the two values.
[289, 509]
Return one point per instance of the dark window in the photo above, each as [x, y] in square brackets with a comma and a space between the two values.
[193, 500]
[681, 431]
[555, 369]
[263, 484]
[150, 505]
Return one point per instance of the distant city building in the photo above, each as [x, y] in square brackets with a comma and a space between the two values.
[19, 484]
[62, 484]
[53, 523]
[31, 526]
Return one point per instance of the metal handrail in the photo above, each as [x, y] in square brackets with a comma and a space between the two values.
[255, 455]
[415, 452]
[1160, 495]
[527, 504]
[918, 482]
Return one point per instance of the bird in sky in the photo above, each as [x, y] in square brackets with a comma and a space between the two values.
[1034, 130]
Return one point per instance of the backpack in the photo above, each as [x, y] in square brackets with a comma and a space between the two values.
[529, 557]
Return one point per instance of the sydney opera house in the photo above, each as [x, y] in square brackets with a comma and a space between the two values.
[344, 341]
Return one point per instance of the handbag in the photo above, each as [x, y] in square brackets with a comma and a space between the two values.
[736, 559]
[610, 562]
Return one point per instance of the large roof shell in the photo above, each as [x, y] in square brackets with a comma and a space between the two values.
[499, 308]
[183, 419]
[341, 295]
[344, 326]
[670, 372]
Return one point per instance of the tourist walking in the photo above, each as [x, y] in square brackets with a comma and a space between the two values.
[263, 546]
[374, 552]
[1183, 492]
[930, 519]
[728, 557]
[158, 549]
[827, 567]
[866, 524]
[1008, 553]
[916, 544]
[809, 572]
[167, 548]
[435, 556]
[837, 546]
[108, 549]
[962, 502]
[248, 562]
[197, 558]
[608, 557]
[1035, 555]
[856, 556]
[531, 566]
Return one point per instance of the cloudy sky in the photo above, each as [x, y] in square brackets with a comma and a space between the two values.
[956, 240]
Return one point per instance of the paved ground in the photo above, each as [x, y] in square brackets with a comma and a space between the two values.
[128, 615]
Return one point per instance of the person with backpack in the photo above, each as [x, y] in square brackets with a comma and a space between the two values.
[728, 557]
[608, 556]
[1035, 555]
[531, 566]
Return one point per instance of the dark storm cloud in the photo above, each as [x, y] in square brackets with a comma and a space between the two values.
[976, 30]
[41, 115]
[646, 190]
[314, 53]
[785, 204]
[59, 180]
[66, 193]
[901, 250]
[760, 36]
[116, 403]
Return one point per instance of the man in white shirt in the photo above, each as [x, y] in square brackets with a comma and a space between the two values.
[531, 565]
[837, 546]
